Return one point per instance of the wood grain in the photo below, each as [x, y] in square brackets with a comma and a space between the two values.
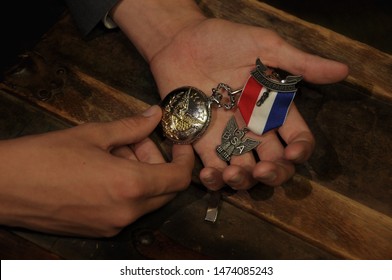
[14, 247]
[315, 211]
[370, 69]
[330, 221]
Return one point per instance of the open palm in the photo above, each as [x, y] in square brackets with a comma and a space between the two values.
[214, 51]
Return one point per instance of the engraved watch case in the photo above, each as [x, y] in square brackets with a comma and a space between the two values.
[186, 115]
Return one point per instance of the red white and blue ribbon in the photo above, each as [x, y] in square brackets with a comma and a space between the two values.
[277, 98]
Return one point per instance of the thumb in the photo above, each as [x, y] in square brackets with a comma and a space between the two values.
[131, 130]
[313, 68]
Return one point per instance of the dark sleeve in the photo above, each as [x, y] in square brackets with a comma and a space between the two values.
[88, 13]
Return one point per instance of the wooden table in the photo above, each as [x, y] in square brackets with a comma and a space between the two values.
[337, 206]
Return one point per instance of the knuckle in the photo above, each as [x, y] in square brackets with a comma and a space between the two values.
[85, 129]
[122, 219]
[92, 126]
[125, 189]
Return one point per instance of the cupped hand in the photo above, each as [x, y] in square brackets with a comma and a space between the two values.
[212, 51]
[90, 180]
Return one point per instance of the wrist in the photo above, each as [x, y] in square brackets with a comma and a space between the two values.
[152, 24]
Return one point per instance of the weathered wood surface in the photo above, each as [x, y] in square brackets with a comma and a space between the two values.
[338, 223]
[273, 243]
[15, 247]
[338, 205]
[369, 68]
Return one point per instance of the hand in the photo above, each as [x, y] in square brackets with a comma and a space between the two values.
[211, 51]
[86, 180]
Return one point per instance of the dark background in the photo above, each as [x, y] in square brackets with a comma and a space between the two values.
[23, 22]
[368, 21]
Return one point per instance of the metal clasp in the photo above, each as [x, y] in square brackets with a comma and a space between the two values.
[216, 96]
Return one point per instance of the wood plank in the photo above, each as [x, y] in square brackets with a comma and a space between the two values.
[79, 98]
[370, 69]
[237, 235]
[353, 144]
[324, 218]
[14, 247]
[328, 220]
[370, 72]
[312, 210]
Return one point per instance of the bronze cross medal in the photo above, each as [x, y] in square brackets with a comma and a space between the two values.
[233, 142]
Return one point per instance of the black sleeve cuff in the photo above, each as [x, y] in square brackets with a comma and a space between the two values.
[88, 13]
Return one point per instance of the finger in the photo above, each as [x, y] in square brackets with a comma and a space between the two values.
[273, 173]
[147, 151]
[273, 169]
[238, 178]
[183, 155]
[270, 148]
[124, 152]
[166, 178]
[238, 175]
[211, 175]
[124, 131]
[313, 68]
[212, 178]
[298, 137]
[153, 203]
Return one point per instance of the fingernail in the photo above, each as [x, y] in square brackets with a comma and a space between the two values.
[151, 111]
[299, 157]
[269, 176]
[209, 180]
[236, 180]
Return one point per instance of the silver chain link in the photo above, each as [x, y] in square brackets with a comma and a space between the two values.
[216, 97]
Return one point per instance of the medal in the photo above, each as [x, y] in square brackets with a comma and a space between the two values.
[265, 99]
[233, 141]
[264, 103]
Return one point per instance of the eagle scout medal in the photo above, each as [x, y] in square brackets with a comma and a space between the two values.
[233, 141]
[264, 103]
[265, 100]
